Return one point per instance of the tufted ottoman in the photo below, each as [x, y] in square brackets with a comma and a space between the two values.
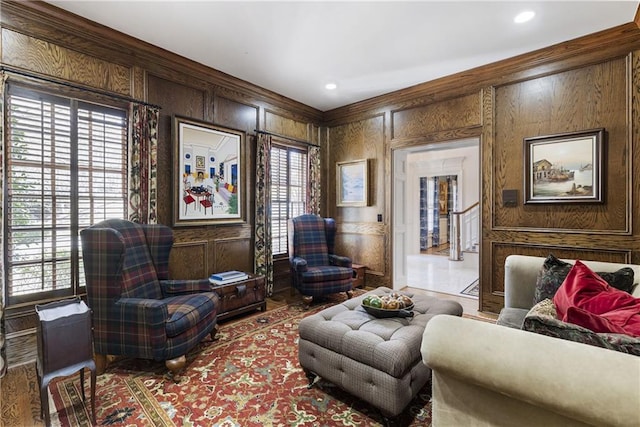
[377, 360]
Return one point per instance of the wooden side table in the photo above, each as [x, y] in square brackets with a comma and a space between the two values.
[358, 275]
[64, 347]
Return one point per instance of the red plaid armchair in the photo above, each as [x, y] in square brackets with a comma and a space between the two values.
[136, 310]
[315, 269]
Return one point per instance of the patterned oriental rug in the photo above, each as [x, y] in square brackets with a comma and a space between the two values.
[249, 376]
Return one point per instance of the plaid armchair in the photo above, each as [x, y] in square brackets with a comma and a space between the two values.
[136, 310]
[315, 269]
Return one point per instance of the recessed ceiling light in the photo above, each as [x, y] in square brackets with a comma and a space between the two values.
[525, 16]
[330, 86]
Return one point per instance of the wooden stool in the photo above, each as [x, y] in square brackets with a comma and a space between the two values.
[64, 347]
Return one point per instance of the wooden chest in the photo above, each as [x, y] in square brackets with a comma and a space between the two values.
[241, 297]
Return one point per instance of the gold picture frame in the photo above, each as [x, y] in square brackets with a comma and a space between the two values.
[352, 179]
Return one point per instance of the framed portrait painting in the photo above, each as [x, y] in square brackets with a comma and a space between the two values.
[564, 168]
[208, 175]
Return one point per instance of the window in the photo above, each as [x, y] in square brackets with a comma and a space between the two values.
[289, 172]
[65, 170]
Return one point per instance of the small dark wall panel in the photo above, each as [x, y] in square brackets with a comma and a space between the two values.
[282, 277]
[233, 254]
[235, 115]
[173, 98]
[586, 98]
[441, 116]
[188, 260]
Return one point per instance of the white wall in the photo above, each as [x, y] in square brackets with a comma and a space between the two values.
[464, 162]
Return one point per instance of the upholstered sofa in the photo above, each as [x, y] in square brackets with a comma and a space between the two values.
[494, 375]
[520, 276]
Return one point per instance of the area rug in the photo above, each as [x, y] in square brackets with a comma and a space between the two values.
[249, 376]
[473, 289]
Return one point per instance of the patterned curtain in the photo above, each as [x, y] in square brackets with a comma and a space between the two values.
[143, 164]
[315, 180]
[263, 255]
[424, 215]
[435, 240]
[3, 353]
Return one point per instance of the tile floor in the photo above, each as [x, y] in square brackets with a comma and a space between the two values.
[437, 273]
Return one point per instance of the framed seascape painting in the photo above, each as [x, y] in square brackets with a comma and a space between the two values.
[208, 174]
[352, 183]
[564, 168]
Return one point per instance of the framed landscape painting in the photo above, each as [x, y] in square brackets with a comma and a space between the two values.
[564, 168]
[352, 183]
[208, 175]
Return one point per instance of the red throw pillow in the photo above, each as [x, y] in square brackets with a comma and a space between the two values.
[585, 299]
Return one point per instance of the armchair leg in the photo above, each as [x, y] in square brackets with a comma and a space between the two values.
[213, 333]
[101, 363]
[176, 365]
[306, 300]
[349, 294]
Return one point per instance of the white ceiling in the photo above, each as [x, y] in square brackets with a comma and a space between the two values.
[367, 48]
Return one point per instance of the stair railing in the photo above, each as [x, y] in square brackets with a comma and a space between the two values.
[464, 231]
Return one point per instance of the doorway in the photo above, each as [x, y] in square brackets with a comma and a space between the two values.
[421, 175]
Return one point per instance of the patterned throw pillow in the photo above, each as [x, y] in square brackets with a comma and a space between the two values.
[542, 319]
[554, 271]
[550, 277]
[621, 279]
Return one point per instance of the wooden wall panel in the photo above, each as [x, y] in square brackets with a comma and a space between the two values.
[138, 83]
[360, 236]
[635, 147]
[235, 115]
[450, 114]
[238, 115]
[285, 126]
[175, 99]
[363, 139]
[56, 61]
[365, 243]
[586, 98]
[233, 254]
[366, 249]
[189, 260]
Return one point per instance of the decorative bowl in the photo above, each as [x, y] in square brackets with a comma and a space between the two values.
[383, 313]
